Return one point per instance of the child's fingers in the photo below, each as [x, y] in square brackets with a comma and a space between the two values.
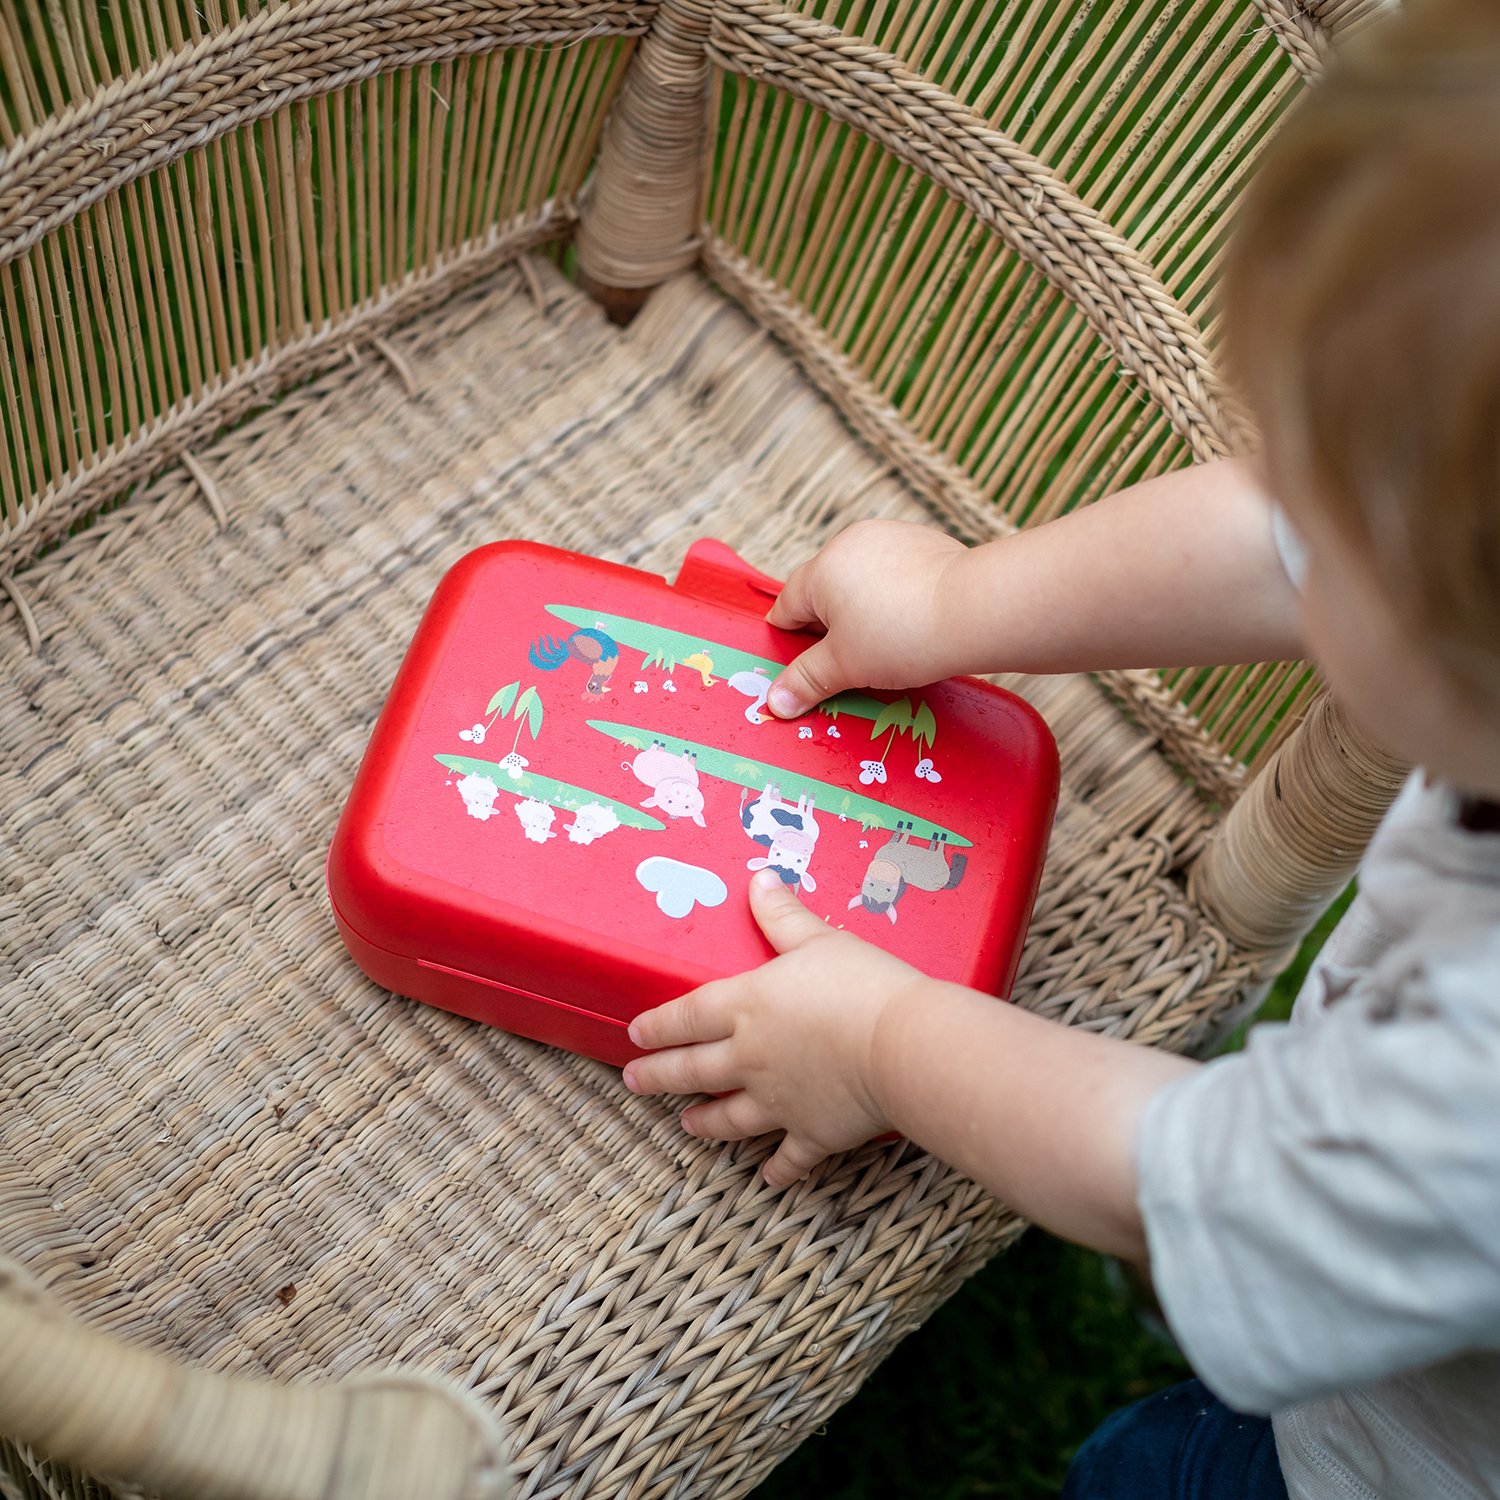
[793, 607]
[786, 922]
[701, 1015]
[806, 682]
[707, 1068]
[793, 1160]
[734, 1118]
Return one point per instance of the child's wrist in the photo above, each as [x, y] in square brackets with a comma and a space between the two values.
[965, 589]
[891, 1046]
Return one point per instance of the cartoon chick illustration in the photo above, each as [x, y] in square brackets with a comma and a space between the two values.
[702, 663]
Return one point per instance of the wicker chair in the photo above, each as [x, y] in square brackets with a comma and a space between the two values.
[301, 301]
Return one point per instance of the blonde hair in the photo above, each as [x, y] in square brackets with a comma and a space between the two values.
[1363, 318]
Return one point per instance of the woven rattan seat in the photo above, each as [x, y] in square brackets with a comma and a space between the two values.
[239, 1184]
[264, 1118]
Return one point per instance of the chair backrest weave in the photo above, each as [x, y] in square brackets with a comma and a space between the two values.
[201, 205]
[989, 230]
[1009, 219]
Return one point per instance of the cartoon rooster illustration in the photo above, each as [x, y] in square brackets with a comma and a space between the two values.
[596, 650]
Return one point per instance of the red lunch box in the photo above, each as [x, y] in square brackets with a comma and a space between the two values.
[555, 820]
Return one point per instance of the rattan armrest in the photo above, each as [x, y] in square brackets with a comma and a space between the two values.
[99, 1403]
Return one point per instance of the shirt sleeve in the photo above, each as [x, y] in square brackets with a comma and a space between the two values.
[1323, 1209]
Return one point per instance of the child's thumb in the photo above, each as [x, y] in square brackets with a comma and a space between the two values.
[806, 682]
[786, 922]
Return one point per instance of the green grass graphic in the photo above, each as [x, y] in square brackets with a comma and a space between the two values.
[556, 794]
[668, 648]
[756, 775]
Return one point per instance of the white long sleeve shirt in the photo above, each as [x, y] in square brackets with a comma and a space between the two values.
[1323, 1209]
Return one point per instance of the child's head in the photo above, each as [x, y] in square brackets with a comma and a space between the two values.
[1363, 302]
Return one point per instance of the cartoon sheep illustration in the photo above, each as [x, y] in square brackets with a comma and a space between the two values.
[673, 780]
[590, 822]
[899, 864]
[787, 834]
[536, 820]
[479, 794]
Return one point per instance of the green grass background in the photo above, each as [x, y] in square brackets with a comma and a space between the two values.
[992, 1397]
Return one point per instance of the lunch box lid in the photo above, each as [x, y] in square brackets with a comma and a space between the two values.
[574, 775]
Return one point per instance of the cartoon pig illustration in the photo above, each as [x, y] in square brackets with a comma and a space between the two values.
[673, 780]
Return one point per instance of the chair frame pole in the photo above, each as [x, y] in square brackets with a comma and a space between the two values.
[1296, 834]
[640, 213]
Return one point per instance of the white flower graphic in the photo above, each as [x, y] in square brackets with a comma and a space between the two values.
[475, 736]
[925, 771]
[642, 687]
[804, 732]
[833, 732]
[871, 770]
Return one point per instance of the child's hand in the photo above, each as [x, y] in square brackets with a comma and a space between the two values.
[878, 589]
[789, 1043]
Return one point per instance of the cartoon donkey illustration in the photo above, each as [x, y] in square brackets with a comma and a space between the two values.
[594, 648]
[787, 834]
[899, 863]
[673, 780]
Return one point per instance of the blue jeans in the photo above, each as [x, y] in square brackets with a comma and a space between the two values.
[1183, 1443]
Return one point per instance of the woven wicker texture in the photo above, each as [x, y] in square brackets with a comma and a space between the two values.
[384, 1436]
[199, 210]
[220, 1140]
[926, 186]
[985, 234]
[180, 243]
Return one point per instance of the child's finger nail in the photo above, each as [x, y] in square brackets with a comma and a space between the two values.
[629, 1077]
[687, 1125]
[633, 1031]
[765, 881]
[784, 703]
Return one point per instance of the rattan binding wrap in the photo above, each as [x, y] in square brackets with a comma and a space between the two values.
[227, 1160]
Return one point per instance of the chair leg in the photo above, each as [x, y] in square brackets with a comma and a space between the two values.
[640, 212]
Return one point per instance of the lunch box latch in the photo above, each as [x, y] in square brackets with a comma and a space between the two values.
[719, 575]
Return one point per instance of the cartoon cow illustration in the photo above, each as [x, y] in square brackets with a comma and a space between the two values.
[594, 648]
[787, 834]
[673, 780]
[536, 820]
[899, 863]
